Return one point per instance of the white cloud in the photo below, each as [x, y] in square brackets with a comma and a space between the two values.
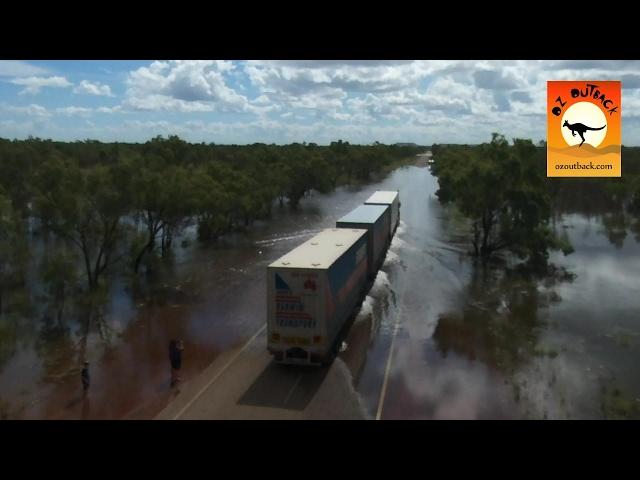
[73, 110]
[298, 78]
[611, 65]
[35, 84]
[16, 68]
[115, 109]
[32, 110]
[358, 101]
[325, 85]
[184, 86]
[89, 88]
[156, 102]
[494, 80]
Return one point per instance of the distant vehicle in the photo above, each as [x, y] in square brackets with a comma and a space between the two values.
[313, 291]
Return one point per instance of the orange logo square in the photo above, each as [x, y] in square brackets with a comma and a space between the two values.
[584, 129]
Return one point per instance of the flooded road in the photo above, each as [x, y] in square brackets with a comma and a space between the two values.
[437, 337]
[490, 342]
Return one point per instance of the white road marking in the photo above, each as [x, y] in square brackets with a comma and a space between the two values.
[286, 400]
[387, 370]
[383, 392]
[220, 372]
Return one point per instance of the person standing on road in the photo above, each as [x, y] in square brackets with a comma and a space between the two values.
[176, 347]
[85, 377]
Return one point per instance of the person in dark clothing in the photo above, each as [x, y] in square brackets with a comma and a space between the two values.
[176, 348]
[85, 377]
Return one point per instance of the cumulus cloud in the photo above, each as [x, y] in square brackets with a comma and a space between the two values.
[73, 110]
[324, 85]
[33, 85]
[360, 101]
[630, 81]
[32, 110]
[522, 97]
[89, 88]
[502, 101]
[115, 109]
[16, 68]
[494, 80]
[184, 86]
[611, 65]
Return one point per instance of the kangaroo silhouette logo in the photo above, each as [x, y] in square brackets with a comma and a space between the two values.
[580, 128]
[584, 129]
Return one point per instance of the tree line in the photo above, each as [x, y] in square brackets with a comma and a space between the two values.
[121, 204]
[503, 190]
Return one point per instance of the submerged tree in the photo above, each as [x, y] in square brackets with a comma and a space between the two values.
[86, 207]
[59, 274]
[161, 200]
[14, 253]
[210, 205]
[502, 190]
[108, 199]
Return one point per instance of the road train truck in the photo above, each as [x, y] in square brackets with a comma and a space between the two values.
[391, 198]
[376, 219]
[311, 293]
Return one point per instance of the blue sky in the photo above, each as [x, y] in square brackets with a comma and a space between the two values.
[294, 101]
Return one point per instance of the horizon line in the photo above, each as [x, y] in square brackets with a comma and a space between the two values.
[304, 142]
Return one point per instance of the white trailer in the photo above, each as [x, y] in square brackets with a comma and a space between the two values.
[311, 293]
[376, 220]
[391, 198]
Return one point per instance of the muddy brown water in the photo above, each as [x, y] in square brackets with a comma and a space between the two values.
[469, 341]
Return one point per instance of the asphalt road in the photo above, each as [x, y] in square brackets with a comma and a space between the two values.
[245, 383]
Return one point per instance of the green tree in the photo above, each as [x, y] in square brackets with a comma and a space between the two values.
[85, 207]
[59, 273]
[210, 205]
[161, 199]
[14, 253]
[502, 190]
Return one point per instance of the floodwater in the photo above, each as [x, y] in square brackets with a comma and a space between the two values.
[439, 336]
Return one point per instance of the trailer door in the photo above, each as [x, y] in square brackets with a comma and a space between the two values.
[298, 309]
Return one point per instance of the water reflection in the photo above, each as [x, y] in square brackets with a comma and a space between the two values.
[502, 315]
[57, 349]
